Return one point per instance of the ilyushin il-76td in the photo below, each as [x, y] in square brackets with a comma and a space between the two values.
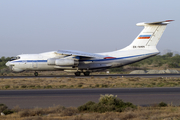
[144, 46]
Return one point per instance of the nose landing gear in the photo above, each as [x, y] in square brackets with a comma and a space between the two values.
[77, 73]
[35, 73]
[86, 73]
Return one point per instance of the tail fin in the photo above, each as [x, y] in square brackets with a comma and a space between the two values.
[150, 35]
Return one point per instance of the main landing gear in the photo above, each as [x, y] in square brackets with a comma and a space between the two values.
[36, 74]
[86, 73]
[79, 73]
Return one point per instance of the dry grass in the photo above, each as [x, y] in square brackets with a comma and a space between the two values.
[92, 82]
[60, 113]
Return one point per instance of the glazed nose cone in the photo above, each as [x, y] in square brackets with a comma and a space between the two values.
[8, 64]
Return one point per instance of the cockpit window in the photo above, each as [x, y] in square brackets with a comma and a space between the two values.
[15, 58]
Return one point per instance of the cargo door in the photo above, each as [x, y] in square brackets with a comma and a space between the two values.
[35, 64]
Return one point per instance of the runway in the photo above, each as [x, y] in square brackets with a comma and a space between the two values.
[108, 75]
[77, 97]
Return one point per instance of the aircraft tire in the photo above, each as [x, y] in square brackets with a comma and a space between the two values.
[77, 73]
[35, 73]
[86, 73]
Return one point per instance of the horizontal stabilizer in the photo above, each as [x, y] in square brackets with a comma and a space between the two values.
[155, 23]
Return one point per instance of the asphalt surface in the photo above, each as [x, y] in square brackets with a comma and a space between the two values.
[109, 75]
[77, 97]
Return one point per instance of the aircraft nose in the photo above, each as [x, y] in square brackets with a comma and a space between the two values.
[8, 64]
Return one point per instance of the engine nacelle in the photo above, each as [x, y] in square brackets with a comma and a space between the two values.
[66, 62]
[62, 62]
[51, 61]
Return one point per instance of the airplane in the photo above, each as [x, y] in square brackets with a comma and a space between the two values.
[143, 46]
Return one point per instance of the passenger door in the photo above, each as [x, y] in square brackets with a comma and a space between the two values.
[35, 64]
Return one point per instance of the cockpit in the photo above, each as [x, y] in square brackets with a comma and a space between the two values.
[15, 58]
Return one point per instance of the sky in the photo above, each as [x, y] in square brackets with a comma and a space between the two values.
[36, 26]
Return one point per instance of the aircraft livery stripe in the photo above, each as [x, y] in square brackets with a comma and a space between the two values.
[119, 58]
[89, 60]
[144, 36]
[31, 61]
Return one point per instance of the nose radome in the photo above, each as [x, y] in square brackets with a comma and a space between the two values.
[7, 64]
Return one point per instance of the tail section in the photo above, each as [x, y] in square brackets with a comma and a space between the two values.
[150, 35]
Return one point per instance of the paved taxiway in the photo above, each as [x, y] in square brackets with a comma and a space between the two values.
[77, 97]
[108, 75]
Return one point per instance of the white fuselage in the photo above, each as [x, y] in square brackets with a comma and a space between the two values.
[39, 62]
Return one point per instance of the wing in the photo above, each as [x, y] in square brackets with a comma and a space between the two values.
[79, 53]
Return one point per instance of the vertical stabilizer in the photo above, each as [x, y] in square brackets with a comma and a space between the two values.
[150, 35]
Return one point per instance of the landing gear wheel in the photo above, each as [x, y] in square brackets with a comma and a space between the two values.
[86, 73]
[77, 73]
[35, 73]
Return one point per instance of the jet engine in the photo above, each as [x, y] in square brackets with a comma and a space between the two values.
[51, 61]
[62, 62]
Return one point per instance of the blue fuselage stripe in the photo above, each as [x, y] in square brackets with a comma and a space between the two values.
[31, 61]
